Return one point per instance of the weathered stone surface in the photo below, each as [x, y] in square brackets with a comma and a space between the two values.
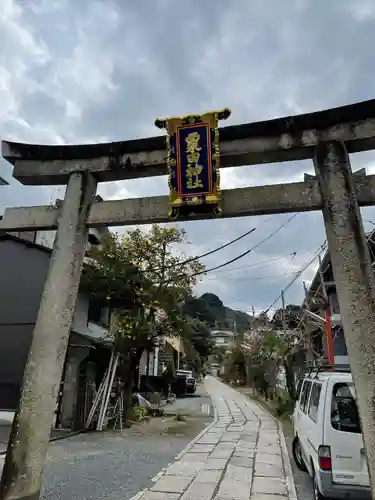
[209, 476]
[226, 445]
[233, 490]
[269, 459]
[263, 496]
[270, 450]
[199, 491]
[235, 473]
[244, 453]
[242, 461]
[222, 453]
[269, 485]
[172, 484]
[195, 457]
[202, 448]
[238, 467]
[268, 470]
[158, 495]
[185, 468]
[215, 463]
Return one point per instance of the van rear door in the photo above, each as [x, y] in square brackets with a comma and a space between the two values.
[343, 434]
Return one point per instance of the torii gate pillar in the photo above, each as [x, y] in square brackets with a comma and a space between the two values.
[353, 275]
[31, 427]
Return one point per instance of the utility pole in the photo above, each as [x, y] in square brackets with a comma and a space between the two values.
[32, 424]
[354, 278]
[283, 316]
[327, 317]
[307, 333]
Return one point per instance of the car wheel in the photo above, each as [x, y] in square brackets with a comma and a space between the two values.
[316, 493]
[297, 455]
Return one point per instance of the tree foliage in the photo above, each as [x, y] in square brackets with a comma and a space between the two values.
[291, 315]
[144, 280]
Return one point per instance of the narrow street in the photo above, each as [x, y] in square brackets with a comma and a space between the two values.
[241, 455]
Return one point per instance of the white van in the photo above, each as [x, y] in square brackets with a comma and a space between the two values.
[328, 441]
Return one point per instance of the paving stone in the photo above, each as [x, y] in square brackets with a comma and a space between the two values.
[242, 461]
[269, 470]
[261, 496]
[222, 453]
[184, 468]
[235, 473]
[226, 446]
[269, 485]
[270, 450]
[195, 457]
[172, 484]
[229, 438]
[269, 459]
[269, 441]
[158, 495]
[199, 491]
[215, 463]
[208, 476]
[245, 446]
[249, 438]
[244, 454]
[202, 448]
[233, 490]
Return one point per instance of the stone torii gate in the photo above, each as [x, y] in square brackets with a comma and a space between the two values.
[326, 137]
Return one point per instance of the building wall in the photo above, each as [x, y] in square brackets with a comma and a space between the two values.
[23, 270]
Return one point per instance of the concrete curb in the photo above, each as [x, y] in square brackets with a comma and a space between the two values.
[287, 465]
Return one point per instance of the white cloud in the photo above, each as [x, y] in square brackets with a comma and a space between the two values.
[97, 71]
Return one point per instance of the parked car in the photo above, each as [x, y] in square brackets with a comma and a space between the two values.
[328, 441]
[191, 383]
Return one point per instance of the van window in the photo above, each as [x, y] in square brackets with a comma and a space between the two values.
[305, 395]
[299, 387]
[344, 411]
[314, 401]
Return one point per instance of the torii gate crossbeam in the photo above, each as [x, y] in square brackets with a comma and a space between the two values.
[326, 137]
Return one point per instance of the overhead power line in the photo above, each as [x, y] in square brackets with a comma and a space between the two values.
[249, 250]
[198, 257]
[254, 278]
[298, 274]
[268, 262]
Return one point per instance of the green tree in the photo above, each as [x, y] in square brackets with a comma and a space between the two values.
[144, 280]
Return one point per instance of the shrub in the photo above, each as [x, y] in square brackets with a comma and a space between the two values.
[140, 412]
[284, 405]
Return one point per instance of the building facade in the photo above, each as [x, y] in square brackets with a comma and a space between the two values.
[315, 326]
[223, 337]
[23, 270]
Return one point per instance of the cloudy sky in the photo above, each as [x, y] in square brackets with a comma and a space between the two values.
[92, 71]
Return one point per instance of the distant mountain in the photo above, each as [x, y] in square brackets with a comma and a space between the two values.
[210, 308]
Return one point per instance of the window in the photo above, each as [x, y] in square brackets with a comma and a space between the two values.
[344, 411]
[98, 313]
[314, 401]
[305, 395]
[299, 387]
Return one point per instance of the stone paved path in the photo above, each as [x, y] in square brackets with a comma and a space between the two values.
[241, 456]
